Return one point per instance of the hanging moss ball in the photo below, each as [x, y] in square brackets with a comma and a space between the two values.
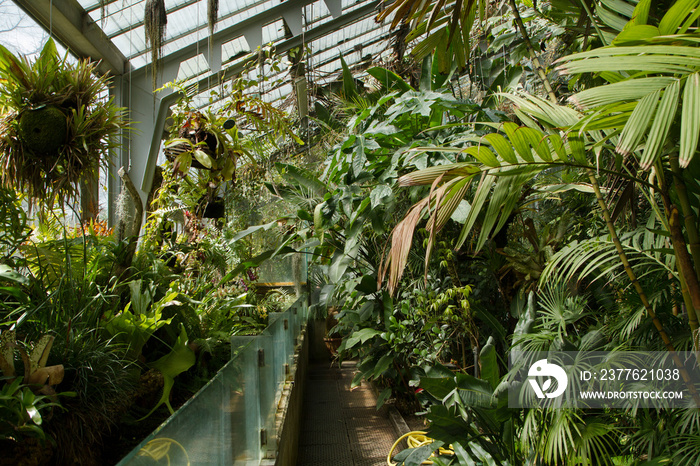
[43, 130]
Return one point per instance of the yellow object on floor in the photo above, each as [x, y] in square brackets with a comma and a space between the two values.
[415, 439]
[159, 448]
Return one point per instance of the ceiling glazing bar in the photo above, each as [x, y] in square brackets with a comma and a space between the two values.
[74, 28]
[194, 30]
[146, 144]
[257, 21]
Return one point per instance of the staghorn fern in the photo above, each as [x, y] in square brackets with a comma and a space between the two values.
[155, 20]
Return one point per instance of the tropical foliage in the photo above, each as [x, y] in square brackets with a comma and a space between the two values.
[525, 181]
[57, 127]
[557, 210]
[109, 344]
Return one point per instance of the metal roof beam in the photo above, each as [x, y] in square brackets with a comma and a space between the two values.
[74, 28]
[199, 27]
[145, 145]
[284, 46]
[251, 27]
[351, 64]
[368, 39]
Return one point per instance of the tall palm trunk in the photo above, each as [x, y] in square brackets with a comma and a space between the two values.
[684, 262]
[689, 218]
[640, 291]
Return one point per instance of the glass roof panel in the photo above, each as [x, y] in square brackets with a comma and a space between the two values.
[273, 32]
[317, 13]
[360, 41]
[20, 33]
[192, 67]
[122, 20]
[186, 18]
[234, 49]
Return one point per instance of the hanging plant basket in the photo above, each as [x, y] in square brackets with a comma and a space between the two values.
[217, 139]
[154, 24]
[212, 207]
[212, 14]
[57, 128]
[43, 130]
[201, 144]
[194, 141]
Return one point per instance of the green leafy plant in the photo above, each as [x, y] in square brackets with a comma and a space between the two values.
[36, 373]
[56, 128]
[141, 317]
[469, 414]
[21, 411]
[245, 126]
[14, 228]
[180, 358]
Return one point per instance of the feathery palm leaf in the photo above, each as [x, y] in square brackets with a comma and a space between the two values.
[447, 24]
[596, 258]
[657, 70]
[563, 436]
[615, 13]
[687, 450]
[504, 164]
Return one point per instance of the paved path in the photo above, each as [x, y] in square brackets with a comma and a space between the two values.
[342, 427]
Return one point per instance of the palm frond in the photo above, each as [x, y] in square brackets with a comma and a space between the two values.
[686, 449]
[656, 70]
[560, 435]
[504, 165]
[597, 258]
[447, 25]
[615, 13]
[559, 309]
[597, 442]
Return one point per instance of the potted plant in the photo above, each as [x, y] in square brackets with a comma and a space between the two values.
[332, 339]
[325, 311]
[57, 128]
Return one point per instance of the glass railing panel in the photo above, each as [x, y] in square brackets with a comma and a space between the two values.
[231, 420]
[203, 430]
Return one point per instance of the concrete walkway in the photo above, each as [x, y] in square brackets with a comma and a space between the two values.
[342, 427]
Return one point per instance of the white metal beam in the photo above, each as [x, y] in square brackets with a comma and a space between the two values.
[144, 145]
[73, 27]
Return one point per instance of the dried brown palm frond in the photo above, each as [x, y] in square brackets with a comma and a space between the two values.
[154, 22]
[57, 128]
[401, 241]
